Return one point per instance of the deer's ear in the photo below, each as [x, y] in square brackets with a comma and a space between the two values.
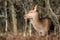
[35, 8]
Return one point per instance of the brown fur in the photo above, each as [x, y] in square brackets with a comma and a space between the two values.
[42, 25]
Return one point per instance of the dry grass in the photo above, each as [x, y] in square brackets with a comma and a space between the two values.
[20, 36]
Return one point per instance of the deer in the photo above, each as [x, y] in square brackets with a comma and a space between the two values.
[41, 26]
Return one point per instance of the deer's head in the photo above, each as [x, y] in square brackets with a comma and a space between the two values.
[32, 13]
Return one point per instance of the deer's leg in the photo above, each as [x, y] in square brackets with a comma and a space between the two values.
[47, 37]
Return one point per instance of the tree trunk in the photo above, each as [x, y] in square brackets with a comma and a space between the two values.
[5, 4]
[14, 20]
[52, 15]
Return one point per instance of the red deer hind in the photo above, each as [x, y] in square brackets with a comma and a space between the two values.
[41, 26]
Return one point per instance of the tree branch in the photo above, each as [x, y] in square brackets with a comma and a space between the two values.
[52, 15]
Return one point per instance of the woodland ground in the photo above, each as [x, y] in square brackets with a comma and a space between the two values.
[27, 37]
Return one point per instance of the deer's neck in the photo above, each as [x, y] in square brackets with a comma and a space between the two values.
[35, 20]
[36, 23]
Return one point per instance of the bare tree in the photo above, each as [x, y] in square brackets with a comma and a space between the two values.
[52, 15]
[14, 20]
[26, 8]
[5, 4]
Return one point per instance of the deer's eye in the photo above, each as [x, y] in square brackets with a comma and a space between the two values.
[40, 32]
